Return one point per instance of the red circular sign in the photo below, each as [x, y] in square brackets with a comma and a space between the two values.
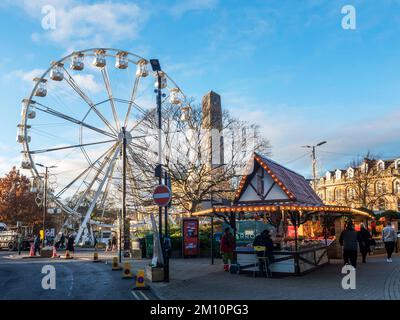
[162, 195]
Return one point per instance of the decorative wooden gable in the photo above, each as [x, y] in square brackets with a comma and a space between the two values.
[262, 187]
[270, 182]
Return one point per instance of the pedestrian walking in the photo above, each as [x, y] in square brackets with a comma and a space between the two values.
[227, 247]
[70, 243]
[364, 241]
[389, 237]
[114, 243]
[349, 240]
[19, 235]
[108, 246]
[36, 244]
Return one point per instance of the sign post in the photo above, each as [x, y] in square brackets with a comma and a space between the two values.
[162, 197]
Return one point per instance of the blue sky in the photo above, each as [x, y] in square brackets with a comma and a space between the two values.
[286, 65]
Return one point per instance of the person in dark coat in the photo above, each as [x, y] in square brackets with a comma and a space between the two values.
[349, 239]
[70, 243]
[264, 240]
[365, 241]
[36, 244]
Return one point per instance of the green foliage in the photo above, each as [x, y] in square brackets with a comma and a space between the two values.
[204, 237]
[390, 214]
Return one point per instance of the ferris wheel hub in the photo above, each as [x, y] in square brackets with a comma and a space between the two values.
[128, 136]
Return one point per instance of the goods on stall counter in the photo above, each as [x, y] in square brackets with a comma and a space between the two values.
[303, 244]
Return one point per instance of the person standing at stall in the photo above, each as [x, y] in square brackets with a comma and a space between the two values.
[349, 240]
[365, 241]
[389, 237]
[227, 247]
[264, 242]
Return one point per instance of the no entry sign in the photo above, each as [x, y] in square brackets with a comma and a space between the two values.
[162, 195]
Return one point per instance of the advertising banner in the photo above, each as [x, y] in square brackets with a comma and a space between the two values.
[190, 232]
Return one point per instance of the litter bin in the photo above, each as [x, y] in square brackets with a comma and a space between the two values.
[149, 245]
[142, 242]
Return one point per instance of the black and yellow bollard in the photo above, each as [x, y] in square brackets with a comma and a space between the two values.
[96, 257]
[140, 281]
[126, 271]
[115, 264]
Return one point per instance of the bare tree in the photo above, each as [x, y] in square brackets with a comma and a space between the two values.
[191, 155]
[367, 185]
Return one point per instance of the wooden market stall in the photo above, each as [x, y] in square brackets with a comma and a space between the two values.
[303, 229]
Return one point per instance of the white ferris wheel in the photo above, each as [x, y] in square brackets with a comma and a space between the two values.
[76, 119]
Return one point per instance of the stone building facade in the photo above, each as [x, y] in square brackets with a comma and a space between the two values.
[374, 184]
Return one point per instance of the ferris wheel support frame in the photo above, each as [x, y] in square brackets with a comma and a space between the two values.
[93, 203]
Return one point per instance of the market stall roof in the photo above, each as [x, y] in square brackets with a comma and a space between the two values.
[270, 187]
[269, 182]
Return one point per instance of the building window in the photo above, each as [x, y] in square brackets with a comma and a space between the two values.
[364, 167]
[351, 194]
[381, 166]
[338, 195]
[338, 175]
[397, 164]
[330, 195]
[350, 173]
[396, 188]
[328, 176]
[380, 187]
[381, 205]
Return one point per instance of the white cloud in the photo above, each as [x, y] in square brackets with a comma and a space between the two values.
[26, 76]
[88, 83]
[87, 25]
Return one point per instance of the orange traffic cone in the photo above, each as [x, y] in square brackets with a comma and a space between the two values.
[32, 250]
[54, 255]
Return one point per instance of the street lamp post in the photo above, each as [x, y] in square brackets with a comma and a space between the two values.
[125, 225]
[155, 64]
[314, 162]
[46, 177]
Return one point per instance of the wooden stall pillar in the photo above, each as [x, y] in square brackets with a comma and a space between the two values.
[339, 227]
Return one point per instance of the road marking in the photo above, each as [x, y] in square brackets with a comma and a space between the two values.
[144, 296]
[135, 295]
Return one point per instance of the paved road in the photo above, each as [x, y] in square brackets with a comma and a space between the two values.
[76, 279]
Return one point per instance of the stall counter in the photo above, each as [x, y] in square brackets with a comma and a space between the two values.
[287, 262]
